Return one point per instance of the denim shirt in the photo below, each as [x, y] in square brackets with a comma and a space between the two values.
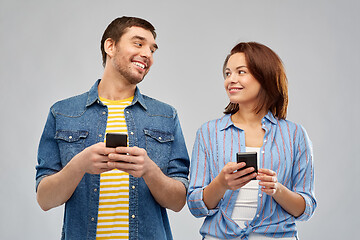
[76, 123]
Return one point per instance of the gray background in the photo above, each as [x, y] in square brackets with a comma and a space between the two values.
[50, 50]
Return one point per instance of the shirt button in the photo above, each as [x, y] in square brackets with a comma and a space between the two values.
[133, 187]
[104, 113]
[92, 219]
[133, 216]
[127, 111]
[95, 189]
[160, 138]
[132, 133]
[258, 215]
[70, 137]
[100, 135]
[262, 151]
[265, 141]
[260, 195]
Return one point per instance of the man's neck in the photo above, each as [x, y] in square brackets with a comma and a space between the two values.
[114, 88]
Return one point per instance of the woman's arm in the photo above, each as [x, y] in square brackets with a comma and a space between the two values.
[291, 201]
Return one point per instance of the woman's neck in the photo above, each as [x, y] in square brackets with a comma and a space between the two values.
[248, 117]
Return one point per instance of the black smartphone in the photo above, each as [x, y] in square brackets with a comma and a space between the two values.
[250, 158]
[116, 140]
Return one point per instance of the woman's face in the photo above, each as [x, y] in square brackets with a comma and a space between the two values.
[240, 84]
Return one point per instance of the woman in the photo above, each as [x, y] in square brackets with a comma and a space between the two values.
[235, 206]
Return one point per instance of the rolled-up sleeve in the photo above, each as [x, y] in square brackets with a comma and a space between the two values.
[303, 174]
[48, 152]
[199, 178]
[178, 167]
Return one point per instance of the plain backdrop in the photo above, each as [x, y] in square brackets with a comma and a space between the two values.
[50, 50]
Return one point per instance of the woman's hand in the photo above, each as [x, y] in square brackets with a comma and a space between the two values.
[232, 178]
[291, 201]
[268, 181]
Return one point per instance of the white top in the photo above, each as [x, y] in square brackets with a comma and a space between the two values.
[247, 199]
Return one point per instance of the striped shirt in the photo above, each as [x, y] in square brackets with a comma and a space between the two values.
[286, 149]
[113, 215]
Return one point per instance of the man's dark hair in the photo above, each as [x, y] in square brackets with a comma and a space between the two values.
[118, 27]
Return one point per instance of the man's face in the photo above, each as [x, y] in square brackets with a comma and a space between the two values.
[133, 55]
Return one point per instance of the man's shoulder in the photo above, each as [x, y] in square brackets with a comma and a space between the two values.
[71, 106]
[157, 107]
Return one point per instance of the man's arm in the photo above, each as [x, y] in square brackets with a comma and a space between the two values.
[168, 192]
[56, 189]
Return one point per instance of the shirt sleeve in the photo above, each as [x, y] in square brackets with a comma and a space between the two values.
[178, 167]
[199, 179]
[48, 152]
[303, 173]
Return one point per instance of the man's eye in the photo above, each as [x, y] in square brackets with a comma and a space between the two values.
[138, 44]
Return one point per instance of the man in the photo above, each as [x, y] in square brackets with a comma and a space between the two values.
[123, 192]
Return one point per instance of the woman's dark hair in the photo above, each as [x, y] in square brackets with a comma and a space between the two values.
[267, 68]
[118, 27]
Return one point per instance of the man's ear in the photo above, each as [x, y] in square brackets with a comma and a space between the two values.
[109, 47]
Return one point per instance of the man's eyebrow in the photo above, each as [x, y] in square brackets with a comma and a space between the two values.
[144, 39]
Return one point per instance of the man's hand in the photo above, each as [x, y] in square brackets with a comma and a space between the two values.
[168, 192]
[132, 160]
[94, 159]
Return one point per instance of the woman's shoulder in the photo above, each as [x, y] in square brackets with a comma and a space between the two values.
[216, 123]
[295, 129]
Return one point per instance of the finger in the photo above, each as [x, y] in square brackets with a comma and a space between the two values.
[232, 167]
[124, 166]
[116, 157]
[265, 178]
[241, 173]
[135, 151]
[267, 171]
[106, 151]
[268, 191]
[268, 185]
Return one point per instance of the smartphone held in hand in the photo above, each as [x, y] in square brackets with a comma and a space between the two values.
[250, 158]
[116, 140]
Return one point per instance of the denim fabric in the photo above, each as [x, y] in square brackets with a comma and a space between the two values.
[79, 122]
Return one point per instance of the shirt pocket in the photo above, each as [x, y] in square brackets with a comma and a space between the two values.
[158, 146]
[70, 143]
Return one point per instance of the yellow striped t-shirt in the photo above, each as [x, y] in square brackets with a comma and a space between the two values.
[113, 215]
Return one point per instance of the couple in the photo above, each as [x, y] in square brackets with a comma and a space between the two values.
[123, 192]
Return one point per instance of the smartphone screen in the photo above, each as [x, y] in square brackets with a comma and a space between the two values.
[250, 158]
[116, 140]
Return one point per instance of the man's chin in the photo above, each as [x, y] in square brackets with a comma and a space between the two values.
[135, 80]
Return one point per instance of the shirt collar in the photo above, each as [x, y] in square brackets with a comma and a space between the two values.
[138, 97]
[94, 96]
[225, 121]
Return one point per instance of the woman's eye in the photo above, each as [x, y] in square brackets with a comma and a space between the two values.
[241, 72]
[227, 74]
